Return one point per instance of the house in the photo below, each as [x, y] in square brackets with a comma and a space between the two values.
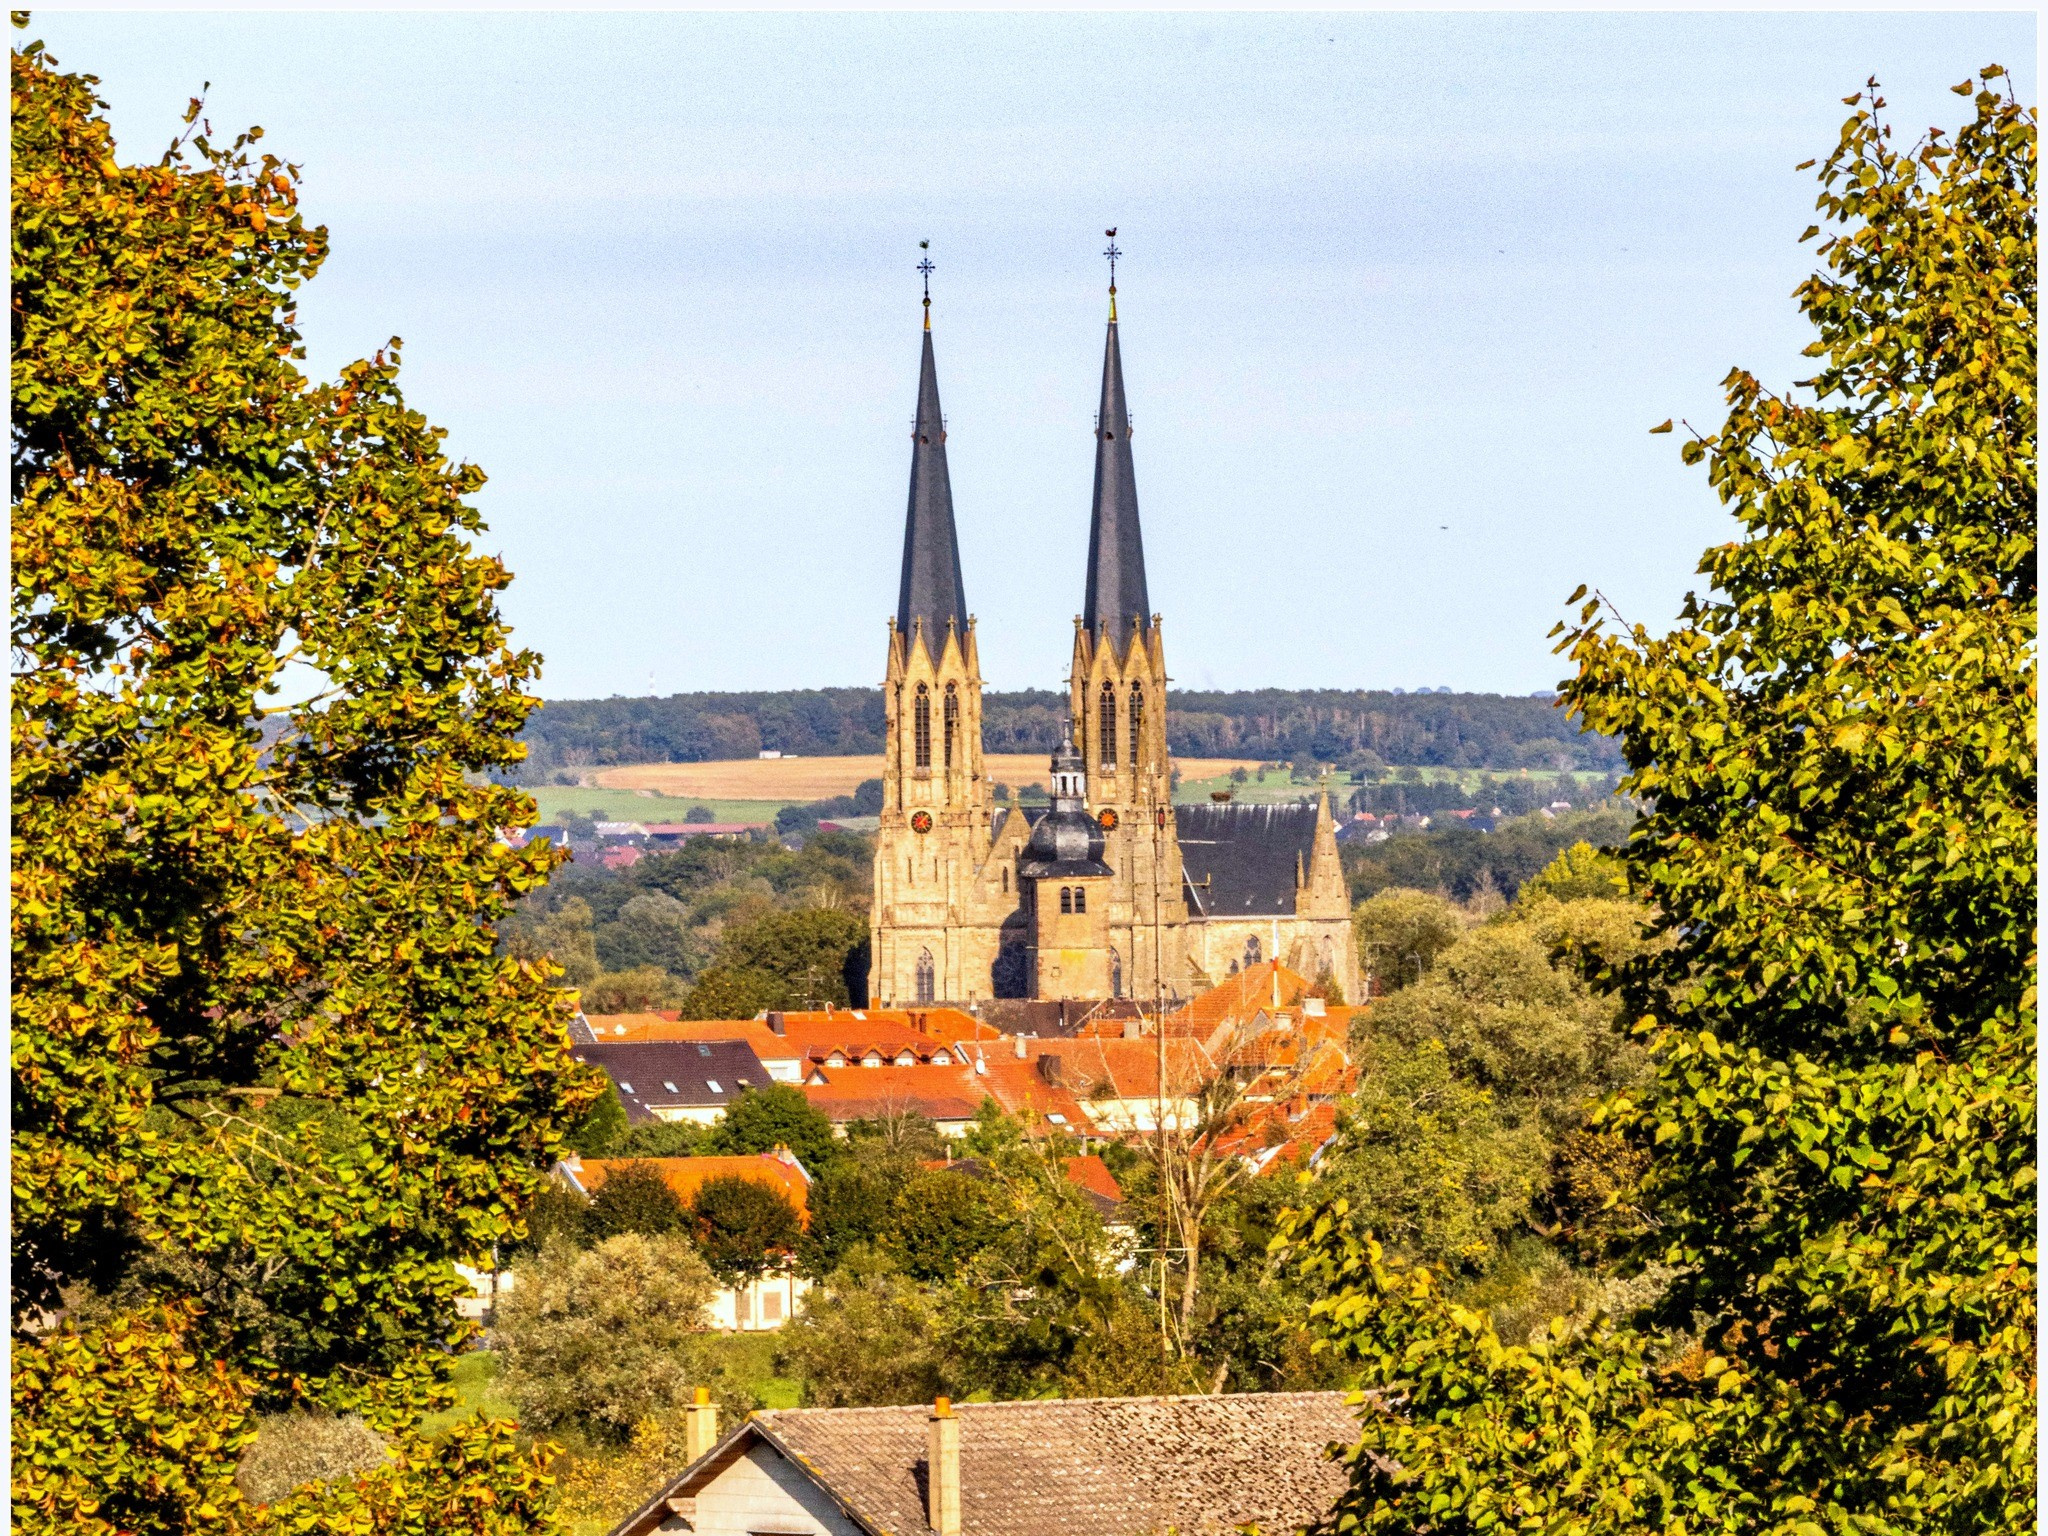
[1130, 1466]
[673, 834]
[682, 1080]
[789, 1044]
[763, 1304]
[947, 1096]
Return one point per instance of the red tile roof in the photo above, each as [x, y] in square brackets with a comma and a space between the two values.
[780, 1171]
[1131, 1466]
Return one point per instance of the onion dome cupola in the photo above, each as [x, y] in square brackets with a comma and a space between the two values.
[1067, 843]
[932, 595]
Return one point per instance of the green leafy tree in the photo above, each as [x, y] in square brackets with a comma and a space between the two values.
[269, 1076]
[1581, 873]
[601, 1127]
[813, 951]
[665, 1138]
[723, 993]
[1401, 932]
[1838, 1140]
[635, 1198]
[852, 1205]
[599, 1339]
[867, 1341]
[743, 1228]
[640, 990]
[939, 1221]
[762, 1119]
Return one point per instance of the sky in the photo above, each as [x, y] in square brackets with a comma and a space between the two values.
[1401, 297]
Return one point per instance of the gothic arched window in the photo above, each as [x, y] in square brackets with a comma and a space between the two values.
[1116, 974]
[1080, 898]
[927, 977]
[1108, 718]
[1066, 898]
[1137, 723]
[952, 722]
[921, 729]
[1251, 950]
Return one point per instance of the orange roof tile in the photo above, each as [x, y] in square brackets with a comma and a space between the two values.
[1093, 1175]
[868, 1093]
[686, 1175]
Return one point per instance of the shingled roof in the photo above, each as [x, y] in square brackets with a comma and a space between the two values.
[1115, 1466]
[1245, 860]
[701, 1074]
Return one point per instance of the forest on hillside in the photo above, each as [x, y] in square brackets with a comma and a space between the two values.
[1357, 727]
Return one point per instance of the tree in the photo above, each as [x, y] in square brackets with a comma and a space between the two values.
[807, 950]
[762, 1119]
[634, 1198]
[640, 990]
[865, 1342]
[743, 1228]
[722, 993]
[599, 1339]
[270, 1077]
[852, 1205]
[1400, 933]
[1838, 1140]
[939, 1220]
[699, 816]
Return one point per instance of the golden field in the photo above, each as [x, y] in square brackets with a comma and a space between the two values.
[816, 778]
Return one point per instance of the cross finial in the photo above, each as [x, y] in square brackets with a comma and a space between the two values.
[926, 269]
[1112, 253]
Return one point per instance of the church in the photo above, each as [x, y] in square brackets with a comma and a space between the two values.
[1112, 891]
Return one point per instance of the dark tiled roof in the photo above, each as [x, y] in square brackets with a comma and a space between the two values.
[706, 1074]
[1241, 860]
[1116, 1466]
[1116, 595]
[932, 589]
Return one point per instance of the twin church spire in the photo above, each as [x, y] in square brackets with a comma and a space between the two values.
[932, 594]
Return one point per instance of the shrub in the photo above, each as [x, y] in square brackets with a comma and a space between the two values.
[297, 1448]
[598, 1339]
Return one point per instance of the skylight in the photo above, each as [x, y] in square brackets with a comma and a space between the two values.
[712, 1084]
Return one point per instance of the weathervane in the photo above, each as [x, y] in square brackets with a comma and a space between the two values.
[926, 269]
[1112, 253]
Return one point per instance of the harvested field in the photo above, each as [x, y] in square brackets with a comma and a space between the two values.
[817, 778]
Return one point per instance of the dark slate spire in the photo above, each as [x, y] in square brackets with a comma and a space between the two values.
[1116, 550]
[932, 589]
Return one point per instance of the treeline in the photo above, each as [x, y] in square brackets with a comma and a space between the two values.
[1429, 730]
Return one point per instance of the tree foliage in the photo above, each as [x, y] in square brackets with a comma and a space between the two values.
[743, 1228]
[599, 1339]
[1838, 1138]
[635, 1198]
[269, 1077]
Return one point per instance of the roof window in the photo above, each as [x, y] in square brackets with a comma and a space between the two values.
[671, 1087]
[703, 1050]
[625, 1087]
[712, 1084]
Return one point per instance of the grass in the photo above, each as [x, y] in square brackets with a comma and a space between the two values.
[475, 1379]
[633, 805]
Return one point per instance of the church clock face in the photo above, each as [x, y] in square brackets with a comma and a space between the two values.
[1106, 819]
[921, 821]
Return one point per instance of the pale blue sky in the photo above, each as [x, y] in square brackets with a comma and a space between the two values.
[1402, 295]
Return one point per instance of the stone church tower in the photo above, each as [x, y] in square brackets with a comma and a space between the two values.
[932, 848]
[1117, 691]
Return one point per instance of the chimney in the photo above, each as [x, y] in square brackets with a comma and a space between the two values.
[942, 1470]
[1133, 1028]
[700, 1427]
[775, 1024]
[1023, 1050]
[1049, 1069]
